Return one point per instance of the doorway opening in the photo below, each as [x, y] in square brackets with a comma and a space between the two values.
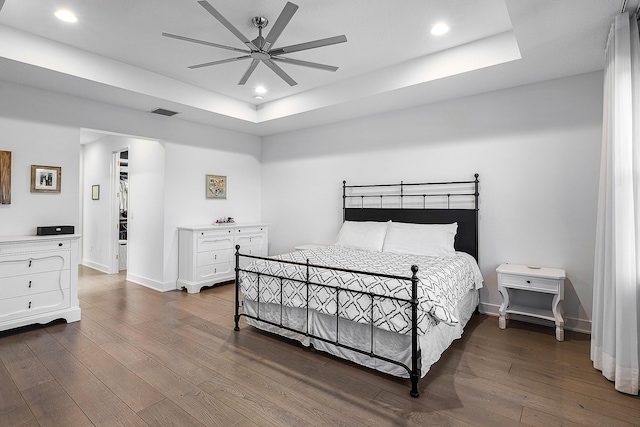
[123, 208]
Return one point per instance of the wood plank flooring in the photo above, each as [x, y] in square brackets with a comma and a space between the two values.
[139, 357]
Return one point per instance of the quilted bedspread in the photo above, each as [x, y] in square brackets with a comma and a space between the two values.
[443, 281]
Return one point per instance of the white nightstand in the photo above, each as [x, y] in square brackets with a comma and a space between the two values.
[544, 279]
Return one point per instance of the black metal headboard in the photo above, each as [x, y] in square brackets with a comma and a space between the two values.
[419, 203]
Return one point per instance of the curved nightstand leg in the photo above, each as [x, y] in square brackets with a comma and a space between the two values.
[558, 316]
[502, 322]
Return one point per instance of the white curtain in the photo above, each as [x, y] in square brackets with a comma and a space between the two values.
[616, 286]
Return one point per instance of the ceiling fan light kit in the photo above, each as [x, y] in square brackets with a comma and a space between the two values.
[262, 49]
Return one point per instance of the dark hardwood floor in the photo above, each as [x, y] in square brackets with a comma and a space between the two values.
[139, 357]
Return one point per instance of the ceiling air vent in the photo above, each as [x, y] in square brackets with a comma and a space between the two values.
[164, 112]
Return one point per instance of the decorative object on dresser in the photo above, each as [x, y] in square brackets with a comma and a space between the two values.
[46, 179]
[53, 230]
[5, 177]
[216, 187]
[532, 278]
[38, 280]
[392, 294]
[205, 253]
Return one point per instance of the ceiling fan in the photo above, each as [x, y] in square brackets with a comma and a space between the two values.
[262, 49]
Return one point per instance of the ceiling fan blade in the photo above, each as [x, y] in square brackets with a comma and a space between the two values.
[282, 21]
[304, 63]
[227, 24]
[280, 72]
[188, 39]
[249, 71]
[222, 61]
[309, 45]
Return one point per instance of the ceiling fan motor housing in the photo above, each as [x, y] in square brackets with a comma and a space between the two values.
[260, 22]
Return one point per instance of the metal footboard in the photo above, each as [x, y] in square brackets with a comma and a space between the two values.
[416, 365]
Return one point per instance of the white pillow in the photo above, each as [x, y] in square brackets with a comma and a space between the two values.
[421, 239]
[367, 235]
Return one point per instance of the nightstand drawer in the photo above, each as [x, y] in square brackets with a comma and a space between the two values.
[531, 283]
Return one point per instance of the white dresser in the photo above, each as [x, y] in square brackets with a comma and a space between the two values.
[38, 280]
[207, 253]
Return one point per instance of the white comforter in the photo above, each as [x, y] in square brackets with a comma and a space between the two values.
[442, 283]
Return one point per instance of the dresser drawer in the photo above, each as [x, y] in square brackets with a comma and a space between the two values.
[249, 230]
[214, 233]
[17, 286]
[214, 272]
[27, 264]
[34, 246]
[250, 240]
[212, 243]
[253, 250]
[531, 283]
[31, 305]
[214, 257]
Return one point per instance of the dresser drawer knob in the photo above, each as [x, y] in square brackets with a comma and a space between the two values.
[29, 304]
[29, 284]
[59, 244]
[528, 281]
[29, 263]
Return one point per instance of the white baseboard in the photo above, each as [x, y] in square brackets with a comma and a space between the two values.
[151, 284]
[96, 266]
[570, 323]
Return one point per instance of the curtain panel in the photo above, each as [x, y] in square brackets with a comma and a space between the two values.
[616, 286]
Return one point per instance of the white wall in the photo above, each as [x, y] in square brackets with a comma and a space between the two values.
[186, 204]
[97, 214]
[535, 147]
[42, 127]
[35, 143]
[145, 233]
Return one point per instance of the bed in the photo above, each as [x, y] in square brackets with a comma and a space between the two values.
[393, 292]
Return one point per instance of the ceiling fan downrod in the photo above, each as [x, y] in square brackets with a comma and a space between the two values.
[259, 22]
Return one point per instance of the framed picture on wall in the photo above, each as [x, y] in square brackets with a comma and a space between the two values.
[95, 192]
[45, 179]
[216, 187]
[5, 177]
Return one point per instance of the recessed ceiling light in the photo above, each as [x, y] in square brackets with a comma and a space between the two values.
[439, 29]
[259, 98]
[261, 89]
[66, 15]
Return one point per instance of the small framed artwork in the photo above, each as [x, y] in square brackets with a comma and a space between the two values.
[5, 177]
[45, 179]
[216, 187]
[95, 192]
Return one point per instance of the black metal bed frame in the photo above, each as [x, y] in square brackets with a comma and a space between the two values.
[466, 240]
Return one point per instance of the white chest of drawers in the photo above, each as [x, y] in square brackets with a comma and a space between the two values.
[540, 279]
[38, 280]
[206, 254]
